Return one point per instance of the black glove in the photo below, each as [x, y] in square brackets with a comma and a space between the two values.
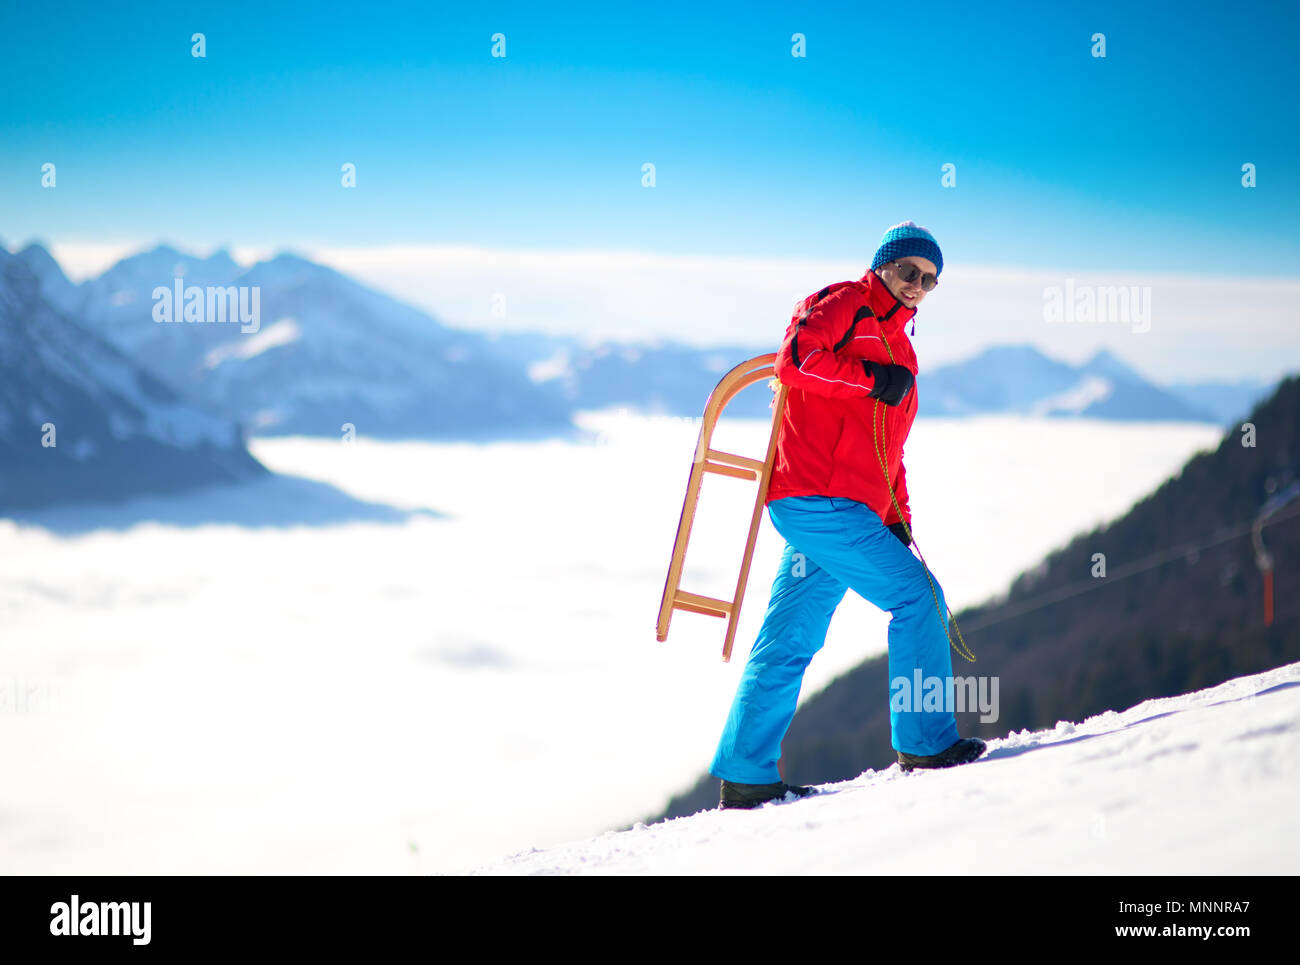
[901, 532]
[892, 382]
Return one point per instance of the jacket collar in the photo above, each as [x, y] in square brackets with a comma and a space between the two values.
[890, 312]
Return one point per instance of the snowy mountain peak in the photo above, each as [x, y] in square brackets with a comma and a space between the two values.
[165, 262]
[1020, 378]
[222, 255]
[289, 270]
[162, 256]
[42, 264]
[325, 350]
[81, 420]
[54, 284]
[291, 262]
[1108, 365]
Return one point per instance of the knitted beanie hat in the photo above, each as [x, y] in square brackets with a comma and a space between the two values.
[906, 239]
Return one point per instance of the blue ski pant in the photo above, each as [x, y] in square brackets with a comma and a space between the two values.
[832, 545]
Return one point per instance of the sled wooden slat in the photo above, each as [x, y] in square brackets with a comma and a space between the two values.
[702, 604]
[743, 462]
[749, 468]
[722, 470]
[727, 464]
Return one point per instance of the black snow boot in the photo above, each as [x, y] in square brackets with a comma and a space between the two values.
[962, 752]
[755, 795]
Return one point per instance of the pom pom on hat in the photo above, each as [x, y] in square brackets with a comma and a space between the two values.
[906, 239]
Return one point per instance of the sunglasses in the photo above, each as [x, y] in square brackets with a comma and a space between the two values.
[910, 273]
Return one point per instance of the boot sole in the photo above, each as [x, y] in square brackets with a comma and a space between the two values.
[748, 806]
[908, 767]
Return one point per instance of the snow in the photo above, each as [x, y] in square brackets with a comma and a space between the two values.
[283, 331]
[1199, 784]
[1092, 388]
[267, 678]
[556, 366]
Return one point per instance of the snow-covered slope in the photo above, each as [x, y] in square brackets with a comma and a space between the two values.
[1204, 783]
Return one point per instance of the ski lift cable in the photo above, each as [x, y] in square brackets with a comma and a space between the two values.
[1131, 569]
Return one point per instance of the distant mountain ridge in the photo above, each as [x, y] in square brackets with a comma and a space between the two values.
[673, 378]
[327, 351]
[331, 351]
[1022, 380]
[80, 421]
[660, 377]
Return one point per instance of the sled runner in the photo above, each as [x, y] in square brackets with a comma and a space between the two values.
[708, 459]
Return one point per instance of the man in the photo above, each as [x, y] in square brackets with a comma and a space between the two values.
[838, 495]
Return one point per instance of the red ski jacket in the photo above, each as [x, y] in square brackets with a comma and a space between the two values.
[824, 444]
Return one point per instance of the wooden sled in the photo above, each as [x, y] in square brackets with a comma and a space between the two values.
[708, 459]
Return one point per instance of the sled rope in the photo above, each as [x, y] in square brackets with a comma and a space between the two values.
[964, 651]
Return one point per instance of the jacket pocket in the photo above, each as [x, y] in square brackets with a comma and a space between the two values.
[844, 454]
[833, 453]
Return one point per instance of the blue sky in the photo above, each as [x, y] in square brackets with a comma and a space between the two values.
[1059, 156]
[1063, 161]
